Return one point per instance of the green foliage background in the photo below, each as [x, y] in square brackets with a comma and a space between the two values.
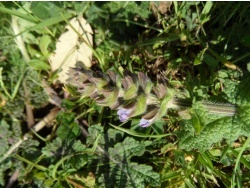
[202, 48]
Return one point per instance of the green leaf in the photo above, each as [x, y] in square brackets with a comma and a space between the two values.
[49, 182]
[196, 122]
[38, 64]
[205, 12]
[68, 131]
[130, 175]
[95, 135]
[238, 94]
[139, 134]
[72, 153]
[39, 9]
[68, 128]
[207, 7]
[242, 93]
[5, 134]
[43, 45]
[66, 103]
[230, 89]
[44, 10]
[197, 61]
[215, 128]
[122, 173]
[65, 117]
[76, 159]
[244, 118]
[146, 173]
[129, 147]
[48, 22]
[114, 136]
[18, 14]
[213, 132]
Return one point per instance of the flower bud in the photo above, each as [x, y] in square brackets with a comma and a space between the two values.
[149, 118]
[124, 114]
[145, 123]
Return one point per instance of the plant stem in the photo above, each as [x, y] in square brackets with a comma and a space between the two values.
[221, 108]
[214, 108]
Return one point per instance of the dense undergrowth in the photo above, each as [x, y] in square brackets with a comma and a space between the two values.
[52, 135]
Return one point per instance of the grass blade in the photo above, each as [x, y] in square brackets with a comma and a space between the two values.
[137, 134]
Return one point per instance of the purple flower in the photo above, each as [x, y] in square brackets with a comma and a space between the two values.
[149, 118]
[123, 114]
[145, 123]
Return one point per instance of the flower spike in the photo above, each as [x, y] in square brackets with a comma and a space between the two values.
[133, 95]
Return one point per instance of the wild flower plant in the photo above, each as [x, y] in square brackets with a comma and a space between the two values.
[133, 95]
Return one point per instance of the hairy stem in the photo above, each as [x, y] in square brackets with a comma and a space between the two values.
[214, 108]
[221, 108]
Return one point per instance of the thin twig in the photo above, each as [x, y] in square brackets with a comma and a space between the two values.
[47, 119]
[53, 97]
[29, 110]
[13, 178]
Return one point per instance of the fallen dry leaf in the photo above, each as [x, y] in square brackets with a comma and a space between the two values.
[164, 6]
[73, 46]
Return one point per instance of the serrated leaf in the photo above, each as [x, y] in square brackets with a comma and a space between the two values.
[211, 133]
[244, 118]
[68, 131]
[77, 161]
[95, 132]
[239, 95]
[65, 117]
[131, 175]
[216, 128]
[146, 173]
[52, 147]
[128, 148]
[114, 136]
[72, 151]
[242, 93]
[5, 135]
